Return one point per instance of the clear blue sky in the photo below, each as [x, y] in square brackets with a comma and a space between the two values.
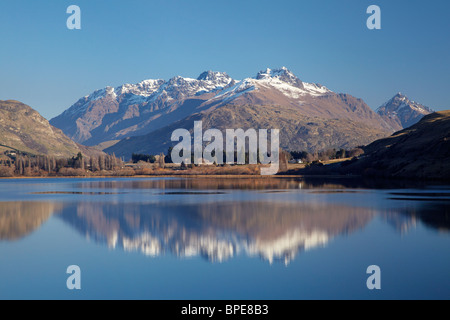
[49, 67]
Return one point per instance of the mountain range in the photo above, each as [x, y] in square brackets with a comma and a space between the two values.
[140, 118]
[311, 117]
[116, 113]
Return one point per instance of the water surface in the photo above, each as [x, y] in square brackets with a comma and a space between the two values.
[246, 238]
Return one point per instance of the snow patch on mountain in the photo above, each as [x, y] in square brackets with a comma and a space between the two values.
[315, 89]
[281, 79]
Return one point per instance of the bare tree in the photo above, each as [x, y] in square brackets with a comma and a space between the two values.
[161, 160]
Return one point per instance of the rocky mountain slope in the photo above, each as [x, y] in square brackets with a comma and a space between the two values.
[24, 129]
[272, 98]
[297, 132]
[400, 112]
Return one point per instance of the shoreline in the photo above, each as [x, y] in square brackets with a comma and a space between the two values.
[196, 176]
[154, 176]
[230, 176]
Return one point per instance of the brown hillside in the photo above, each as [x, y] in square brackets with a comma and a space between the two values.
[24, 129]
[420, 151]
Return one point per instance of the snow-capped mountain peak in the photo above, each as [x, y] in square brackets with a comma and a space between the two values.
[401, 102]
[401, 112]
[144, 88]
[272, 73]
[282, 74]
[179, 87]
[214, 76]
[282, 80]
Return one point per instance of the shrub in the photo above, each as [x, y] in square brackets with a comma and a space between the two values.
[71, 172]
[124, 173]
[144, 172]
[6, 171]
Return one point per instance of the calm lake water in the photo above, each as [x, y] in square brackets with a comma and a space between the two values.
[223, 239]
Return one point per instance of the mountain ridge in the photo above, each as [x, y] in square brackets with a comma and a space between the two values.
[133, 110]
[127, 102]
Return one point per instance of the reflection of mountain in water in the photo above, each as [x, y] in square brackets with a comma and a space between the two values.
[435, 215]
[216, 231]
[19, 219]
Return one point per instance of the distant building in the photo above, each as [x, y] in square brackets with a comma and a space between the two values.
[11, 154]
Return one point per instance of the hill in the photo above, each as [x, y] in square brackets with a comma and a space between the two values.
[421, 151]
[24, 129]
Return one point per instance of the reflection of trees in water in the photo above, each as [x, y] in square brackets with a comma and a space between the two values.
[19, 219]
[254, 183]
[217, 231]
[244, 183]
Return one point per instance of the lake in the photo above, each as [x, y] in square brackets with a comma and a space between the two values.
[228, 238]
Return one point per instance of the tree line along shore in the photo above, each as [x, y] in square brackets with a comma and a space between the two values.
[17, 164]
